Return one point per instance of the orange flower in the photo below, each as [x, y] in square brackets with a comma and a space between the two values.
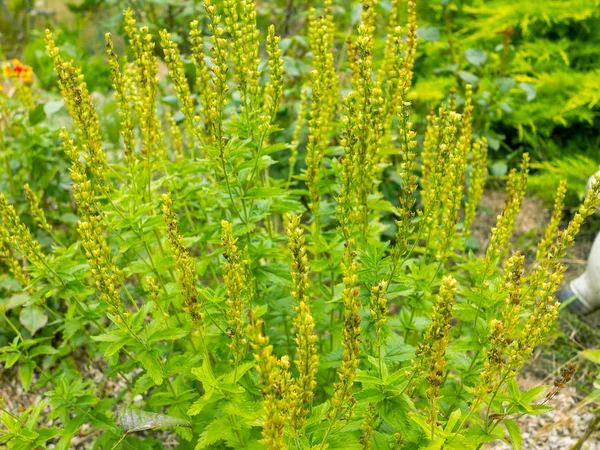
[17, 69]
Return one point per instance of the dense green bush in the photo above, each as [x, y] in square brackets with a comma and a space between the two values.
[252, 301]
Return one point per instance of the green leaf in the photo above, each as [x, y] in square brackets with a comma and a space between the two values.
[26, 373]
[215, 431]
[152, 367]
[591, 355]
[33, 318]
[199, 404]
[468, 77]
[10, 359]
[171, 334]
[205, 375]
[533, 394]
[43, 350]
[476, 56]
[37, 115]
[529, 89]
[499, 169]
[429, 33]
[515, 433]
[17, 300]
[53, 107]
[453, 420]
[114, 347]
[137, 420]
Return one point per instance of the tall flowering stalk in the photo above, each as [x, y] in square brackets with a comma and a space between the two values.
[430, 356]
[515, 192]
[322, 104]
[452, 186]
[552, 228]
[36, 210]
[103, 264]
[186, 271]
[343, 400]
[235, 279]
[276, 384]
[146, 77]
[20, 234]
[476, 182]
[502, 333]
[307, 360]
[273, 90]
[179, 80]
[15, 266]
[240, 22]
[123, 102]
[79, 104]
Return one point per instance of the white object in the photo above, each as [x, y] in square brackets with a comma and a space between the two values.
[587, 286]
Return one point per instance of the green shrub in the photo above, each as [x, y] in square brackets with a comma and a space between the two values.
[249, 304]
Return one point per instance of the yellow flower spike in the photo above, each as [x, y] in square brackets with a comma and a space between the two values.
[346, 201]
[240, 22]
[343, 399]
[379, 310]
[21, 235]
[79, 103]
[235, 281]
[276, 384]
[146, 71]
[186, 270]
[431, 353]
[15, 266]
[307, 360]
[36, 210]
[323, 102]
[367, 429]
[552, 228]
[179, 80]
[516, 187]
[176, 137]
[476, 182]
[203, 75]
[121, 95]
[274, 89]
[452, 186]
[408, 144]
[219, 70]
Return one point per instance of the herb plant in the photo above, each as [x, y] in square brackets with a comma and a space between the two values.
[253, 288]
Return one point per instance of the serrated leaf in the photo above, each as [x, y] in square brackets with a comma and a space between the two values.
[533, 394]
[42, 350]
[114, 347]
[137, 420]
[148, 360]
[515, 433]
[167, 335]
[215, 431]
[199, 404]
[26, 374]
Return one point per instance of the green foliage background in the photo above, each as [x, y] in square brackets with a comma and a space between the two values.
[534, 63]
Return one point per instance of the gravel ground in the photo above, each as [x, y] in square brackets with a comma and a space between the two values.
[559, 429]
